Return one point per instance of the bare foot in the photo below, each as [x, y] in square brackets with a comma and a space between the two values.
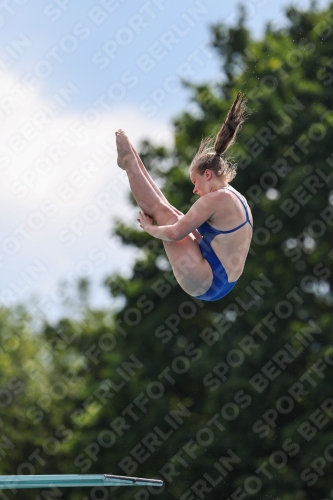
[124, 149]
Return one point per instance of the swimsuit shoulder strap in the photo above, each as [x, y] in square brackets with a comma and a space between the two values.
[209, 232]
[246, 211]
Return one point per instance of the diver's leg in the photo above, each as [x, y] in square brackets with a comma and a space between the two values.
[148, 199]
[146, 193]
[151, 181]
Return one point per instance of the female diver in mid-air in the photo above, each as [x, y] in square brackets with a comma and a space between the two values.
[207, 247]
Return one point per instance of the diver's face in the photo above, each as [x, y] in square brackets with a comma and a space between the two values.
[200, 182]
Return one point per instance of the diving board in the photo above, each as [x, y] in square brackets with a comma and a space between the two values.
[14, 482]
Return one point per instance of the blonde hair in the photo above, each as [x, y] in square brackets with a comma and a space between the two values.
[208, 156]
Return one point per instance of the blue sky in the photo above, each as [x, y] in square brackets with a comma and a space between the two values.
[96, 44]
[71, 74]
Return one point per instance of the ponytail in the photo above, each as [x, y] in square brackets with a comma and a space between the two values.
[231, 125]
[208, 157]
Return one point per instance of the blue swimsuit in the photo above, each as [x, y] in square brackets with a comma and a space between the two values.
[220, 286]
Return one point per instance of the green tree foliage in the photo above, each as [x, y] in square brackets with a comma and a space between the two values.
[226, 399]
[275, 325]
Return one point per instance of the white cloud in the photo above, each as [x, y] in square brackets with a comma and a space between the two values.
[60, 188]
